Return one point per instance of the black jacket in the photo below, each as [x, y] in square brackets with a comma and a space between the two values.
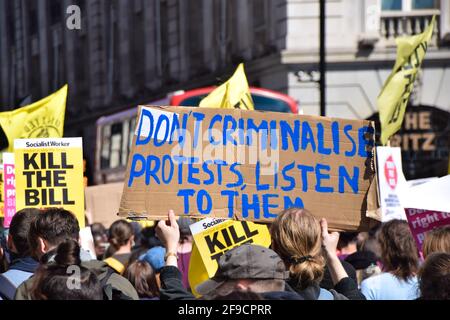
[346, 289]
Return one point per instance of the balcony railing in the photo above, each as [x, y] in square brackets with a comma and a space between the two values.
[405, 23]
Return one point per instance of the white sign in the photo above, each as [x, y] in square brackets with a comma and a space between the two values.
[433, 195]
[205, 224]
[392, 183]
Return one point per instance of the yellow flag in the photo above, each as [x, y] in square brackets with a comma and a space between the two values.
[42, 119]
[235, 93]
[394, 96]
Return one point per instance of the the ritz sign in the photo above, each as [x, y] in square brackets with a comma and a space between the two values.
[73, 21]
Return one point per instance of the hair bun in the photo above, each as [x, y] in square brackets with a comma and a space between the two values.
[68, 253]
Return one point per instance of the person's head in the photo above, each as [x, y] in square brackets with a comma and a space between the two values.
[18, 231]
[137, 228]
[437, 240]
[100, 237]
[360, 239]
[246, 268]
[296, 237]
[368, 241]
[3, 261]
[240, 295]
[50, 228]
[434, 277]
[398, 250]
[372, 245]
[98, 229]
[154, 257]
[185, 231]
[347, 242]
[149, 238]
[121, 235]
[55, 280]
[143, 278]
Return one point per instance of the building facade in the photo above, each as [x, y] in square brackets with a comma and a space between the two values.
[129, 52]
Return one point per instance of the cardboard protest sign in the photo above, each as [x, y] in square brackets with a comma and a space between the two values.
[249, 165]
[214, 237]
[103, 202]
[9, 188]
[49, 173]
[392, 183]
[420, 221]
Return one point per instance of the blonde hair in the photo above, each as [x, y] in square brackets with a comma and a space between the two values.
[296, 237]
[437, 240]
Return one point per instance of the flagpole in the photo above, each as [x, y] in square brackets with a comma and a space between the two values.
[322, 63]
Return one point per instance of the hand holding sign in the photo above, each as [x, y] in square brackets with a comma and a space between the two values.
[329, 244]
[329, 240]
[168, 232]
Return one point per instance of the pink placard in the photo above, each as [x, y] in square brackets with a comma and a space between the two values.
[420, 221]
[10, 193]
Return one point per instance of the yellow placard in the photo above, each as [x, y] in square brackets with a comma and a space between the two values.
[42, 119]
[234, 93]
[395, 94]
[197, 271]
[218, 238]
[49, 173]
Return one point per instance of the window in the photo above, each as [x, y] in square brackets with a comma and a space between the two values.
[116, 143]
[260, 28]
[391, 5]
[56, 12]
[136, 38]
[408, 17]
[408, 5]
[195, 36]
[425, 4]
[162, 39]
[32, 19]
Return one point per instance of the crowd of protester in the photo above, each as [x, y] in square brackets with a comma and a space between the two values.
[41, 259]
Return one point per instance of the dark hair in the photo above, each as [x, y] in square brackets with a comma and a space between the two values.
[143, 278]
[149, 238]
[185, 231]
[120, 233]
[398, 249]
[345, 238]
[52, 281]
[19, 229]
[136, 253]
[98, 229]
[3, 261]
[434, 277]
[55, 225]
